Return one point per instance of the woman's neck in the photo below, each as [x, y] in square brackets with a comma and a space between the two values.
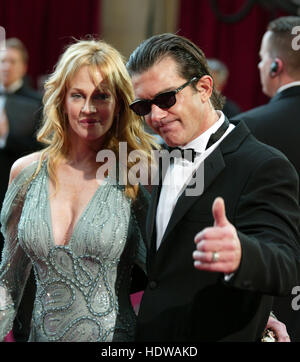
[83, 155]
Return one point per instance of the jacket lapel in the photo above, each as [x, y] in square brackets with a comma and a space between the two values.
[151, 224]
[151, 217]
[212, 167]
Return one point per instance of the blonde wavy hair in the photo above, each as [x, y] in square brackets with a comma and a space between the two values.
[99, 56]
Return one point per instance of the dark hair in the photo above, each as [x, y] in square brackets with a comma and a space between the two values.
[280, 42]
[190, 59]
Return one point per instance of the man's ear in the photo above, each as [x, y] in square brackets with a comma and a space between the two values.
[24, 70]
[205, 87]
[276, 67]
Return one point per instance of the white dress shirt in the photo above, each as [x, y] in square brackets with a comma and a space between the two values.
[289, 85]
[180, 173]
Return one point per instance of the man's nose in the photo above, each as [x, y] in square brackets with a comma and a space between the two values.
[5, 66]
[157, 113]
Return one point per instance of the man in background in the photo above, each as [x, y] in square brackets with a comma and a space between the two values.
[20, 113]
[20, 109]
[277, 123]
[220, 74]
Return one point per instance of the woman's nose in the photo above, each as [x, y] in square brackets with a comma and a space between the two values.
[88, 107]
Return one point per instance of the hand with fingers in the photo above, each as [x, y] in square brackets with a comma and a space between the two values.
[218, 248]
[278, 329]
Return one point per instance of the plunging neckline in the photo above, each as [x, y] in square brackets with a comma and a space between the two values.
[84, 211]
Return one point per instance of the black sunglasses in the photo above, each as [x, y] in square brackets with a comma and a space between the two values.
[163, 100]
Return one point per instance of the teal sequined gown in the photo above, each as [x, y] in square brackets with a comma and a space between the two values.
[83, 287]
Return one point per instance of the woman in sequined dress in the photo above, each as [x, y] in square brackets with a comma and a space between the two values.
[77, 227]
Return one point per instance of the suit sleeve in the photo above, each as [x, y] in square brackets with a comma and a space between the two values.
[267, 220]
[140, 207]
[24, 116]
[15, 265]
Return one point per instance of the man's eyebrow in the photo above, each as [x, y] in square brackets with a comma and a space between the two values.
[169, 89]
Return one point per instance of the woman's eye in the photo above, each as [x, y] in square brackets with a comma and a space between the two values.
[101, 96]
[76, 95]
[96, 97]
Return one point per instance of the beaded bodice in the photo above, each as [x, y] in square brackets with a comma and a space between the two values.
[83, 287]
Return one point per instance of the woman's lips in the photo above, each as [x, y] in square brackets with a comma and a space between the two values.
[89, 121]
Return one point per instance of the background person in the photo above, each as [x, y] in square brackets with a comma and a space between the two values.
[277, 122]
[220, 74]
[20, 114]
[20, 107]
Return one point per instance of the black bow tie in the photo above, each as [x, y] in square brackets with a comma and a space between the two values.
[190, 154]
[214, 137]
[186, 153]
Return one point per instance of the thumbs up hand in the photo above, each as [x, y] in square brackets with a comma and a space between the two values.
[218, 248]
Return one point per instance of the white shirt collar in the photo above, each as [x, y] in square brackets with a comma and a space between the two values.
[14, 86]
[199, 143]
[289, 85]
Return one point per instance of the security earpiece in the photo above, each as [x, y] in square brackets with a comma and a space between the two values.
[274, 67]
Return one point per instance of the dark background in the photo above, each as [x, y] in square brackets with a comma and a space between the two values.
[230, 30]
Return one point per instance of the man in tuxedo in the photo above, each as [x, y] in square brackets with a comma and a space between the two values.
[277, 122]
[20, 113]
[20, 109]
[222, 226]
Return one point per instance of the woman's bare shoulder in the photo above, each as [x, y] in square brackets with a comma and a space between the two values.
[21, 163]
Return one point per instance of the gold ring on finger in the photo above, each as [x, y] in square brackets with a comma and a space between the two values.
[215, 257]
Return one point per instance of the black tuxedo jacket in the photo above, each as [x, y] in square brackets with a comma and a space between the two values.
[260, 189]
[23, 115]
[277, 124]
[26, 91]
